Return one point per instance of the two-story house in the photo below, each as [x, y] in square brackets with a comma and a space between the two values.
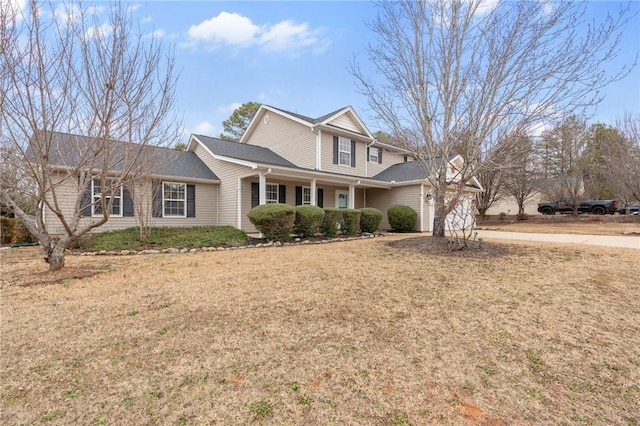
[284, 157]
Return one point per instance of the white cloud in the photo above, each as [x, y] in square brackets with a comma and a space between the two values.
[232, 29]
[204, 128]
[226, 28]
[14, 6]
[288, 35]
[101, 31]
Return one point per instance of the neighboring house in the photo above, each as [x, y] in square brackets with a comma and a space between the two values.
[545, 190]
[284, 157]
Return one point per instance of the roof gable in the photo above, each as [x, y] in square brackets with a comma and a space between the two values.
[343, 118]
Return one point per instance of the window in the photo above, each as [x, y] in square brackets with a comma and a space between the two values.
[112, 194]
[174, 199]
[272, 193]
[344, 151]
[306, 195]
[374, 155]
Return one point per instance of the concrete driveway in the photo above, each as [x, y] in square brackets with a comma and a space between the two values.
[624, 241]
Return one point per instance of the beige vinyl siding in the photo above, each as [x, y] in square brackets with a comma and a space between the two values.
[67, 192]
[228, 189]
[389, 158]
[382, 199]
[344, 121]
[287, 138]
[509, 206]
[327, 157]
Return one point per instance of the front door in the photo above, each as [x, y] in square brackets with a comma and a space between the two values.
[342, 199]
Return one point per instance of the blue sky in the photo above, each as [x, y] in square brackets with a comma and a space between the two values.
[294, 55]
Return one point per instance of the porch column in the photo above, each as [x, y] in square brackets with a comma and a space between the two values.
[352, 196]
[239, 204]
[313, 190]
[422, 202]
[263, 188]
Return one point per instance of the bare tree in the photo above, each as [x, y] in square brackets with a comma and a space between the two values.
[80, 70]
[521, 177]
[482, 70]
[624, 165]
[603, 144]
[560, 152]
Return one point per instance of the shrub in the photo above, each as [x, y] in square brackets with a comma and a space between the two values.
[523, 216]
[275, 221]
[402, 218]
[370, 219]
[502, 216]
[351, 220]
[22, 234]
[332, 221]
[7, 230]
[308, 220]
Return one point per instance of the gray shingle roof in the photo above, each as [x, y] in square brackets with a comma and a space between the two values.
[402, 172]
[309, 119]
[243, 151]
[72, 150]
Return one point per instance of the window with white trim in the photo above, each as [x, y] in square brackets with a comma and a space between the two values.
[272, 193]
[112, 195]
[374, 155]
[174, 199]
[344, 151]
[306, 195]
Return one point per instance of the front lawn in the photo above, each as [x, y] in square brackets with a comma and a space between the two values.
[382, 331]
[161, 238]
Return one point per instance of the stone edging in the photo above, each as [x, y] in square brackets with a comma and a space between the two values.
[296, 242]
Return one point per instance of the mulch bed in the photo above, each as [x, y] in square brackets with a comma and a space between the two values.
[442, 247]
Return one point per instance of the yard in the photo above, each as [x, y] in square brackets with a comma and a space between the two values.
[384, 331]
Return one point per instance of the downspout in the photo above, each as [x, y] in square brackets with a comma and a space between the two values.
[318, 134]
[366, 160]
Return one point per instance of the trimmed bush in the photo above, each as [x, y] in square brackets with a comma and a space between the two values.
[22, 234]
[402, 218]
[275, 221]
[351, 220]
[332, 221]
[308, 220]
[8, 229]
[370, 219]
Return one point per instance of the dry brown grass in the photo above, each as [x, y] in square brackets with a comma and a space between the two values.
[359, 332]
[567, 224]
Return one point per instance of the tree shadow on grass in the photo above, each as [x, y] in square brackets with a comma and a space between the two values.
[441, 247]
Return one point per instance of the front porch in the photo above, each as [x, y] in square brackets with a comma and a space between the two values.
[266, 187]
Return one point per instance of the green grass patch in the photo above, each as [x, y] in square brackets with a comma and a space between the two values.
[161, 238]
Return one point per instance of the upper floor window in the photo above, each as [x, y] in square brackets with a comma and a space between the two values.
[344, 151]
[272, 193]
[112, 195]
[375, 155]
[174, 199]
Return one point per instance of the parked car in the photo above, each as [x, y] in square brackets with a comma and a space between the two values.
[634, 209]
[587, 206]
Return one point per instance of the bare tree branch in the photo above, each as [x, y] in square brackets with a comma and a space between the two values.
[81, 73]
[466, 73]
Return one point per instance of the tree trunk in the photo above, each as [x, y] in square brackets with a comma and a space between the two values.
[55, 257]
[439, 222]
